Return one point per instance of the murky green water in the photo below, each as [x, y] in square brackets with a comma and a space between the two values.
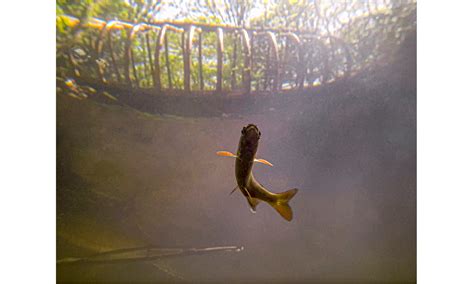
[126, 179]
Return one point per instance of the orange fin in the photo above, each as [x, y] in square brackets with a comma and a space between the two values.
[263, 161]
[284, 209]
[226, 154]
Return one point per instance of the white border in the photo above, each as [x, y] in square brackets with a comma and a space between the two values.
[27, 143]
[445, 142]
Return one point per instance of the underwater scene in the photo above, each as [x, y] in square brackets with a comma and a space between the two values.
[255, 142]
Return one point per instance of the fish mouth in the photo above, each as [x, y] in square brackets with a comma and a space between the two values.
[251, 132]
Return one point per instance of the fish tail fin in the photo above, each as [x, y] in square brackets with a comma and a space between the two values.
[281, 203]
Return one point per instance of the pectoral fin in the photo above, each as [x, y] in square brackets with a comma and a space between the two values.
[233, 190]
[263, 161]
[226, 154]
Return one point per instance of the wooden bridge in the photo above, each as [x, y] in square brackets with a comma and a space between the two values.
[136, 57]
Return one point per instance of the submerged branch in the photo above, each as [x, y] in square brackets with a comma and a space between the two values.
[144, 254]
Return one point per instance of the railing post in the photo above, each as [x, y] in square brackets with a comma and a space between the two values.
[302, 67]
[220, 49]
[299, 55]
[168, 67]
[246, 74]
[145, 63]
[134, 68]
[284, 61]
[274, 44]
[133, 31]
[183, 50]
[157, 73]
[150, 56]
[267, 68]
[187, 58]
[127, 57]
[109, 27]
[201, 79]
[98, 48]
[252, 52]
[233, 78]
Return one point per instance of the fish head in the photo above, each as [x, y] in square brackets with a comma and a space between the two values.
[249, 138]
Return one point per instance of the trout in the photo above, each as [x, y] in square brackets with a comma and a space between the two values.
[246, 182]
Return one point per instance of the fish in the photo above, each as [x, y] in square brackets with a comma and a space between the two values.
[246, 182]
[71, 84]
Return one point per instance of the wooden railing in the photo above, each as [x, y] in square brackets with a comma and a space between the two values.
[137, 55]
